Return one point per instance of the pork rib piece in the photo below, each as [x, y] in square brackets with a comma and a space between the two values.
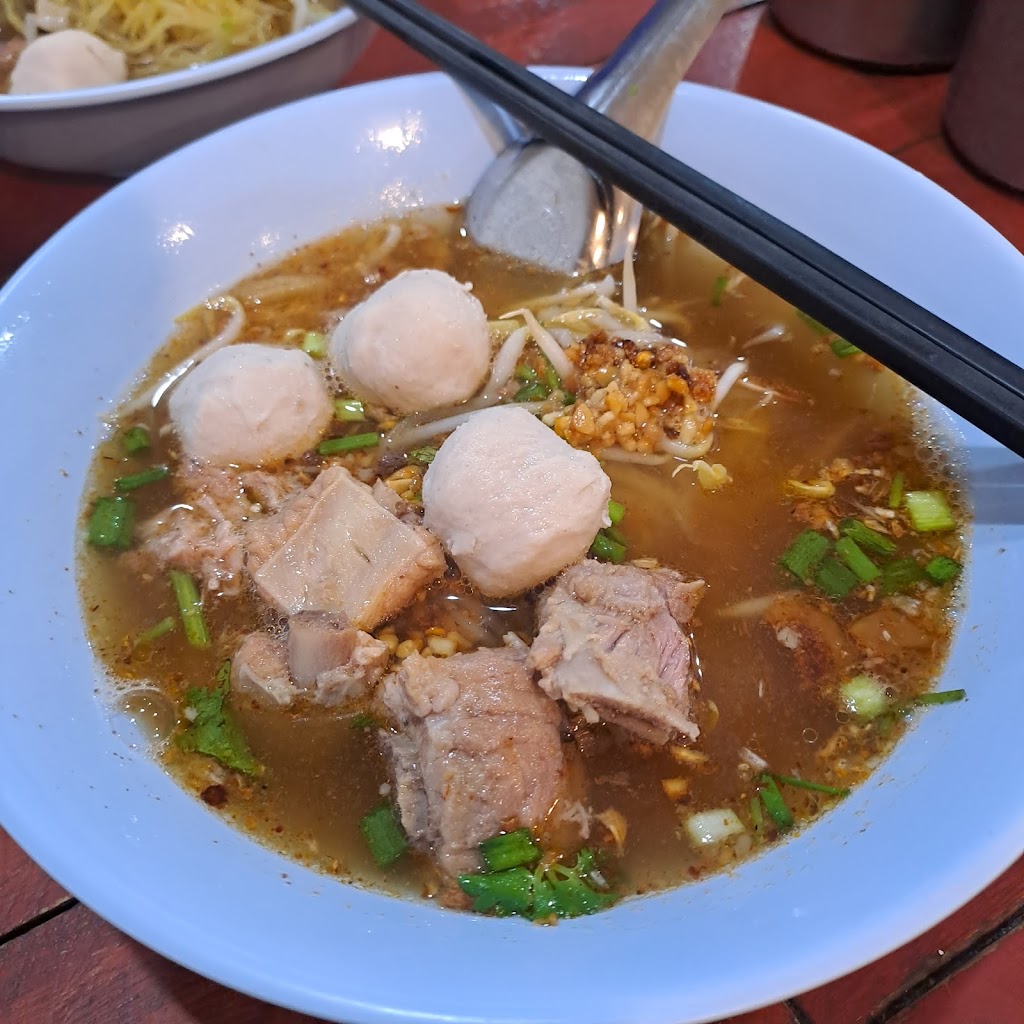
[610, 644]
[478, 752]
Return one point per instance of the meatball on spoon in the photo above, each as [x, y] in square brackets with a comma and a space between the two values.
[585, 224]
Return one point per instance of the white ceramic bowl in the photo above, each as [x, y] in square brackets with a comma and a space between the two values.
[941, 818]
[116, 129]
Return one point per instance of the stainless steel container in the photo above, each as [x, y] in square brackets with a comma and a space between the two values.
[984, 117]
[911, 35]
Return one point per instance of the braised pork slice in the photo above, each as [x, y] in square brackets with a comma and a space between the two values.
[335, 548]
[331, 660]
[478, 750]
[610, 645]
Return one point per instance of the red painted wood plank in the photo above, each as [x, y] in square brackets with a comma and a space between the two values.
[76, 968]
[889, 111]
[33, 205]
[853, 999]
[986, 992]
[777, 1014]
[25, 890]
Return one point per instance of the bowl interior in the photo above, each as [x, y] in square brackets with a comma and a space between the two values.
[889, 861]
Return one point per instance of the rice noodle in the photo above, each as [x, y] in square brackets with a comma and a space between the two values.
[687, 451]
[628, 316]
[373, 259]
[545, 342]
[731, 374]
[227, 335]
[617, 454]
[300, 14]
[648, 339]
[284, 285]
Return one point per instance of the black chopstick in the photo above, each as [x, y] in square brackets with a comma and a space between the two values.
[961, 373]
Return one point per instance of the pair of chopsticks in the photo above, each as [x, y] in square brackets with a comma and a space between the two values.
[961, 373]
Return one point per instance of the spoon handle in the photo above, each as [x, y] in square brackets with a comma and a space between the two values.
[635, 86]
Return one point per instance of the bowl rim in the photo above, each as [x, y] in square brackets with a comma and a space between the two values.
[171, 81]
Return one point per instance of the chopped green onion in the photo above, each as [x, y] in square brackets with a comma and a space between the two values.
[509, 850]
[334, 445]
[112, 523]
[929, 511]
[843, 349]
[896, 491]
[507, 892]
[135, 440]
[923, 700]
[814, 787]
[942, 569]
[864, 697]
[774, 804]
[804, 555]
[834, 579]
[718, 290]
[383, 835]
[899, 576]
[606, 549]
[569, 398]
[146, 476]
[864, 537]
[526, 374]
[551, 378]
[349, 410]
[423, 456]
[314, 344]
[613, 533]
[859, 563]
[363, 720]
[757, 817]
[616, 511]
[162, 628]
[532, 393]
[815, 325]
[190, 607]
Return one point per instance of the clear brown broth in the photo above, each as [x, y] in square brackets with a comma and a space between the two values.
[321, 775]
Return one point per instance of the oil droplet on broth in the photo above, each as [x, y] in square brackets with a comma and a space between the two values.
[153, 713]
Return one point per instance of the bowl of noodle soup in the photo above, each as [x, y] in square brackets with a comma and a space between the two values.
[901, 851]
[169, 74]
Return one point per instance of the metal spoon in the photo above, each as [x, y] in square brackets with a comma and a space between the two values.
[539, 204]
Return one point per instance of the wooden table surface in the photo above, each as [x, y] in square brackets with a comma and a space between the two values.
[60, 964]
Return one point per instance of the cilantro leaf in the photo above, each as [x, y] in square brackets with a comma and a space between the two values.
[214, 730]
[505, 892]
[554, 891]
